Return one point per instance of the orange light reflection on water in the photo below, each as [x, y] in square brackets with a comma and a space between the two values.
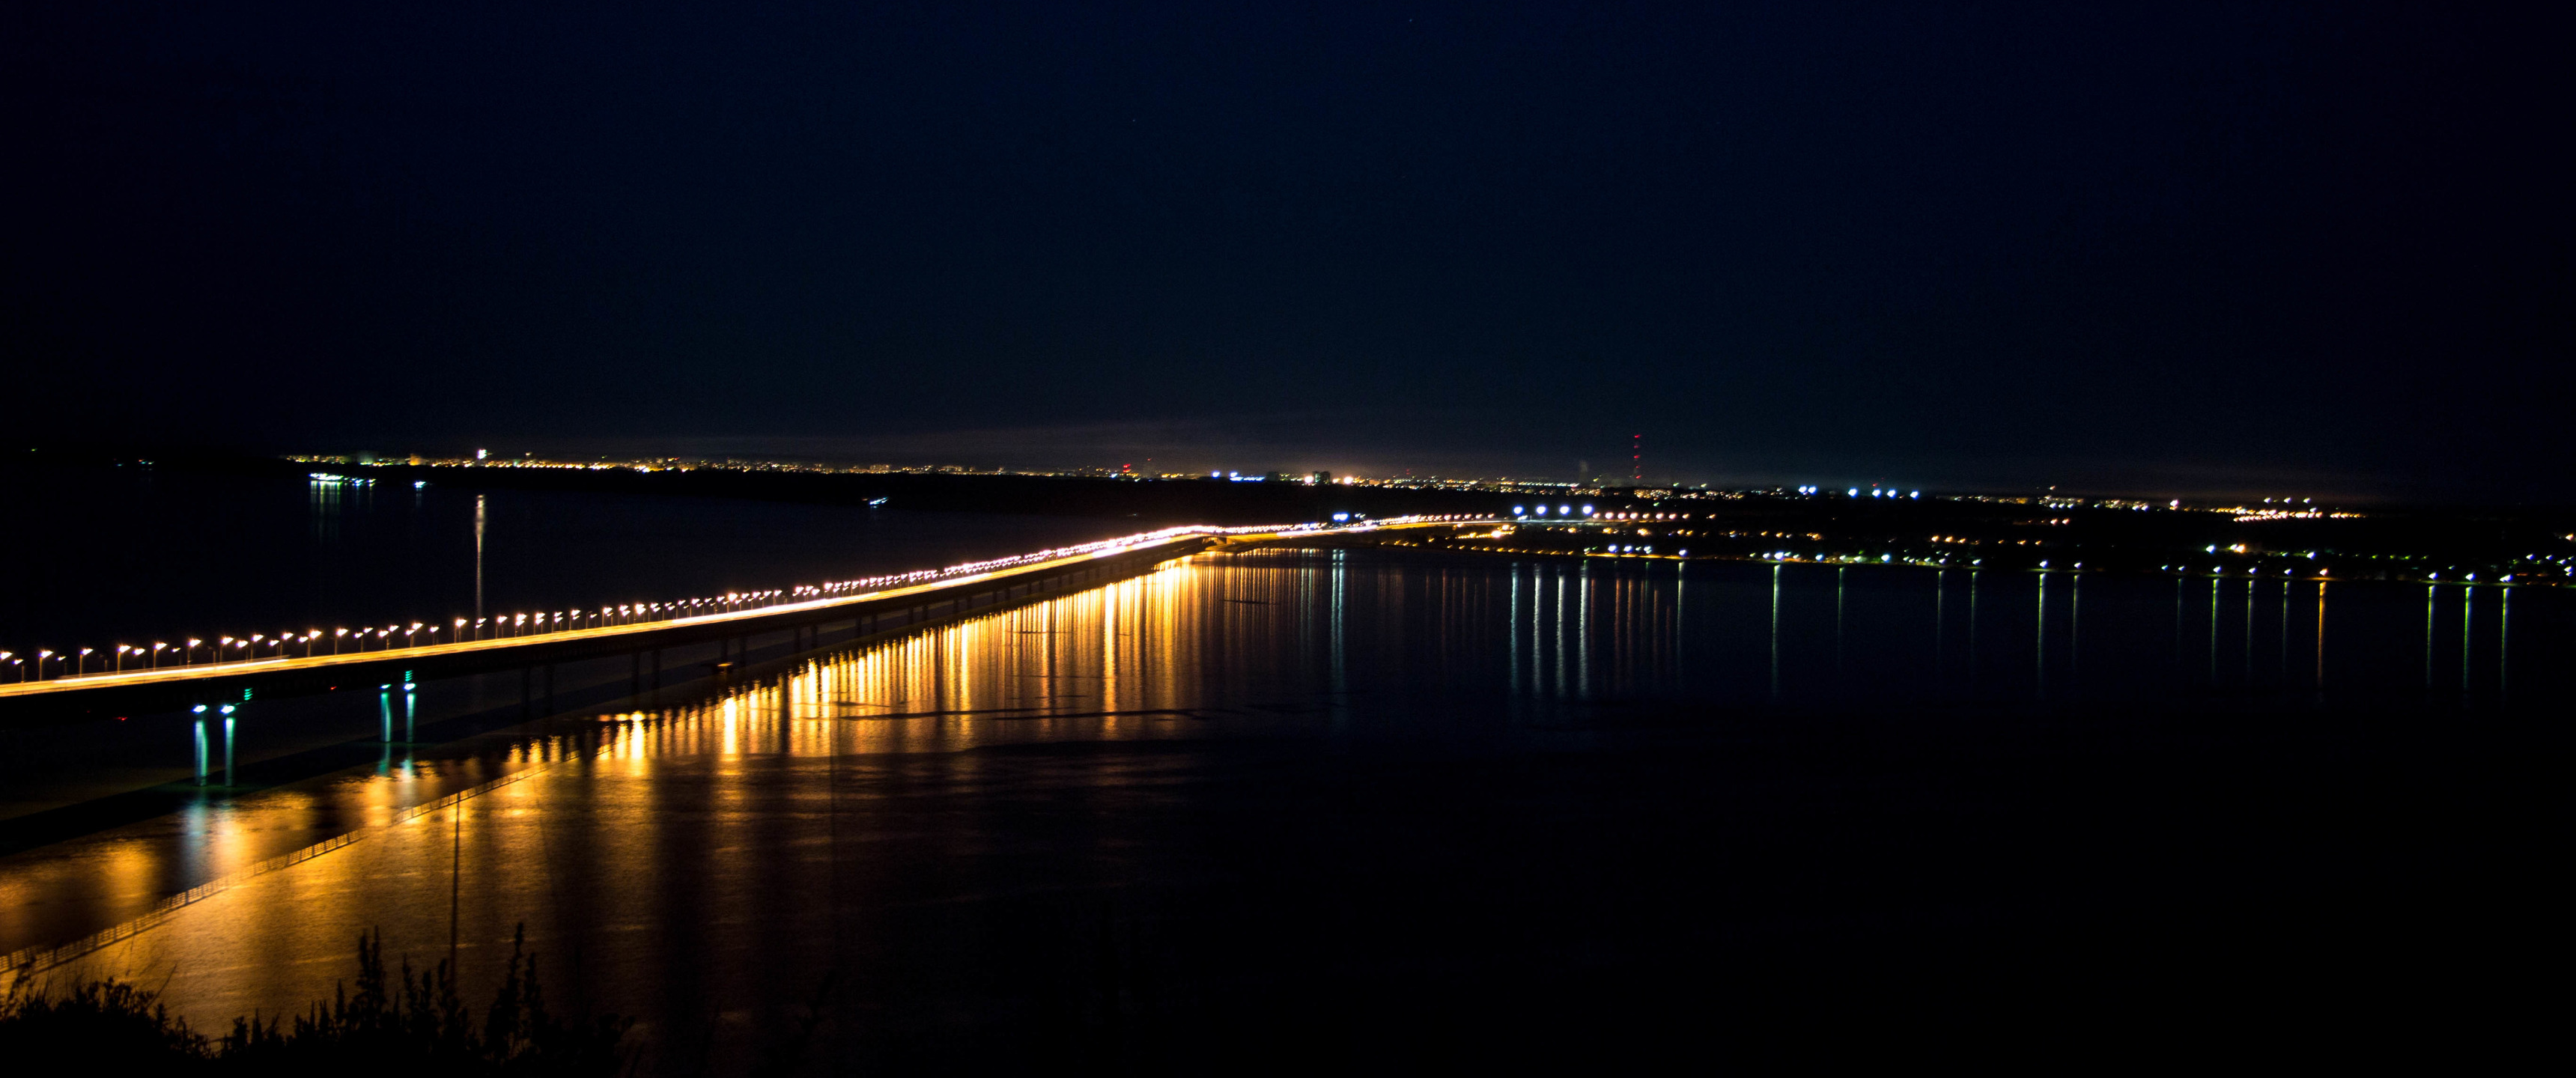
[605, 812]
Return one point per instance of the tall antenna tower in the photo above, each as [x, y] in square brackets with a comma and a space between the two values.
[1637, 459]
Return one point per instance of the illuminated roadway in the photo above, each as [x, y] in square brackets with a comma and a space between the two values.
[170, 688]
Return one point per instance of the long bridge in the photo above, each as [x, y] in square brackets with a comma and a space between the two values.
[815, 616]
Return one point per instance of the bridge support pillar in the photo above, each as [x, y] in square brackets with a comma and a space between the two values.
[411, 710]
[229, 775]
[201, 750]
[385, 710]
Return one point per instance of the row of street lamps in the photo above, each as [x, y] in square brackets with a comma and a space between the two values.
[416, 634]
[49, 663]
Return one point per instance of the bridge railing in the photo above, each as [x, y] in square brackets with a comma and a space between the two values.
[521, 628]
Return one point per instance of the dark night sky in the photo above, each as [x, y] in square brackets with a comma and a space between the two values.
[2245, 248]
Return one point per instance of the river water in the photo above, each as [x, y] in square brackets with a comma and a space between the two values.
[1331, 807]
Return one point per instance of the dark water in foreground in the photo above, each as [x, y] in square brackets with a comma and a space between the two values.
[1371, 810]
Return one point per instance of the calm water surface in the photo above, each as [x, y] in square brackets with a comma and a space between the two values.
[1356, 795]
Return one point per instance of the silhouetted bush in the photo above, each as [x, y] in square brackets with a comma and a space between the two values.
[404, 1023]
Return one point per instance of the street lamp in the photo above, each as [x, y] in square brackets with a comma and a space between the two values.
[41, 656]
[120, 656]
[83, 666]
[190, 655]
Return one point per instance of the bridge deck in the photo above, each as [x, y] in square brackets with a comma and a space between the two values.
[172, 688]
[634, 634]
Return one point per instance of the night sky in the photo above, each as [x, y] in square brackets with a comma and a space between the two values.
[2260, 248]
